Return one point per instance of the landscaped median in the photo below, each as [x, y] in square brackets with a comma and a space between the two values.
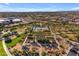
[2, 51]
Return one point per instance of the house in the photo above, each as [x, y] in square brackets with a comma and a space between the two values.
[74, 51]
[71, 53]
[76, 21]
[25, 48]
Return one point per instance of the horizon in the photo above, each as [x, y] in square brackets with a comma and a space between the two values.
[38, 7]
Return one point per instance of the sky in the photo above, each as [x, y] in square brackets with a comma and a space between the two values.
[34, 7]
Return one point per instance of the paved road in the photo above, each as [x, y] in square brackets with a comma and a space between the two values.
[5, 48]
[25, 39]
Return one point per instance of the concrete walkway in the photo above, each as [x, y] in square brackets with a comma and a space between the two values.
[5, 48]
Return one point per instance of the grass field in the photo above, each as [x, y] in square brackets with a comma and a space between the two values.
[15, 41]
[2, 52]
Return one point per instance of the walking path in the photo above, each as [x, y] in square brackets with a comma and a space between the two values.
[5, 48]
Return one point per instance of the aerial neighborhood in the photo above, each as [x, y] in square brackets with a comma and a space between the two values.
[39, 34]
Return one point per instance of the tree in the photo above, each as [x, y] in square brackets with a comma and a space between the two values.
[8, 40]
[44, 41]
[6, 35]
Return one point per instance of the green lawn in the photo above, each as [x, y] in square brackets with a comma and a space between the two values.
[16, 40]
[2, 52]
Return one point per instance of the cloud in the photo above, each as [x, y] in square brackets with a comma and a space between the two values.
[6, 3]
[2, 6]
[6, 7]
[75, 8]
[21, 9]
[36, 9]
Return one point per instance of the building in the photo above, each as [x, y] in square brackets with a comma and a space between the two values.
[7, 21]
[4, 22]
[39, 28]
[16, 20]
[74, 21]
